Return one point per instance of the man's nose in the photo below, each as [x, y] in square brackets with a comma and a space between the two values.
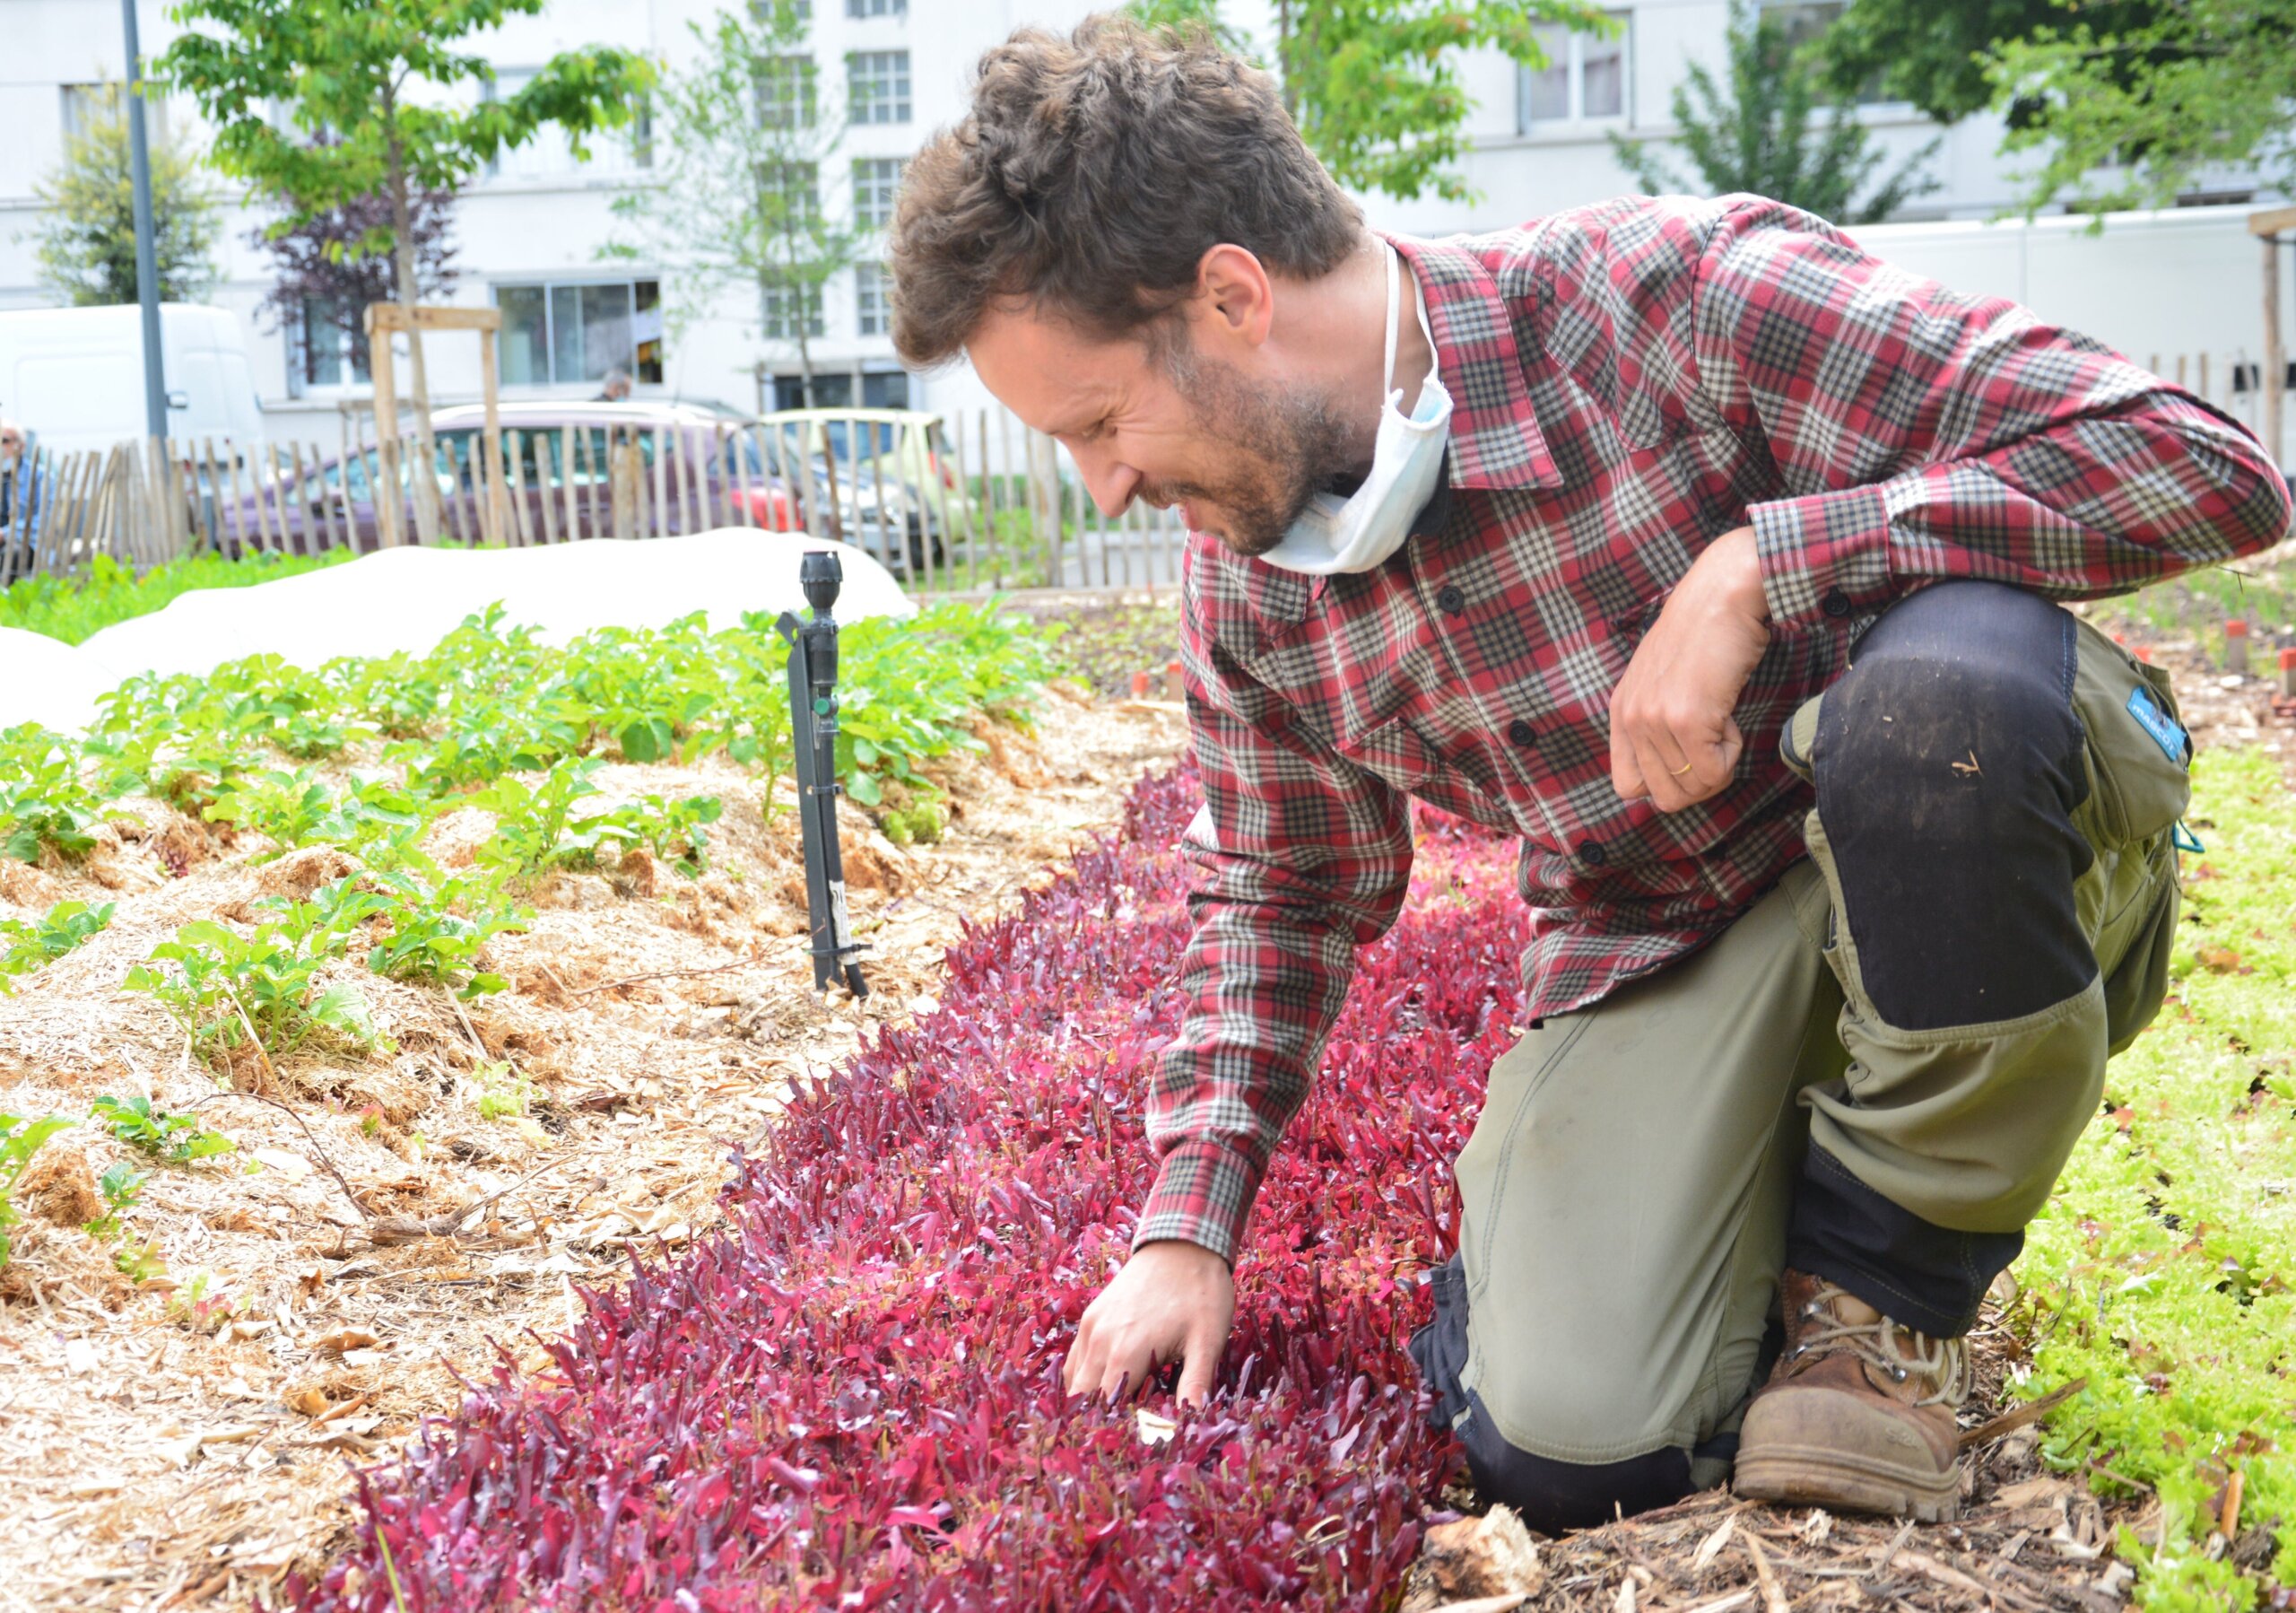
[1112, 483]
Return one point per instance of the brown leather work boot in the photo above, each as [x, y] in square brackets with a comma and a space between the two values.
[1858, 1414]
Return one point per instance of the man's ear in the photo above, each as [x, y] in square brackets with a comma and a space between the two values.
[1235, 301]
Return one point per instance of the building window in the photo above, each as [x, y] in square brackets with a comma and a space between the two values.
[1584, 81]
[782, 303]
[636, 136]
[787, 93]
[876, 8]
[1801, 22]
[876, 182]
[870, 311]
[877, 86]
[887, 389]
[563, 334]
[329, 357]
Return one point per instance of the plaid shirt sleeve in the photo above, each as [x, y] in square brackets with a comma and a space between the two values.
[1921, 434]
[1300, 858]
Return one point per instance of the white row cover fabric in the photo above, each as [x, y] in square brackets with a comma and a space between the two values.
[408, 599]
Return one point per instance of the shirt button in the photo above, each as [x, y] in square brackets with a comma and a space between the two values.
[1522, 733]
[1836, 604]
[1591, 853]
[1450, 599]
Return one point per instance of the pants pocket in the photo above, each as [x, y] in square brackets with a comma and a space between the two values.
[2137, 982]
[2137, 750]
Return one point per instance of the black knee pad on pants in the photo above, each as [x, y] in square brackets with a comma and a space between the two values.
[1550, 1495]
[1949, 763]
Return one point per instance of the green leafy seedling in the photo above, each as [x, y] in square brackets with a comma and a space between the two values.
[431, 942]
[224, 985]
[503, 1093]
[177, 1139]
[64, 928]
[45, 800]
[21, 1138]
[121, 1186]
[288, 809]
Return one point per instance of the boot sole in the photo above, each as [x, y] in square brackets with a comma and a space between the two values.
[1813, 1476]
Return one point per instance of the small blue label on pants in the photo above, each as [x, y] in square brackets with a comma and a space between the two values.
[2165, 731]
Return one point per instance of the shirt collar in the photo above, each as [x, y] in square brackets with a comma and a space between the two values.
[1495, 437]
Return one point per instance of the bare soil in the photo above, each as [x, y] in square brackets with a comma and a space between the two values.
[187, 1438]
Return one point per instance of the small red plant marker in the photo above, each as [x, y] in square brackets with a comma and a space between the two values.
[2236, 646]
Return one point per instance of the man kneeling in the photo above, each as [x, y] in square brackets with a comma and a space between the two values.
[1718, 561]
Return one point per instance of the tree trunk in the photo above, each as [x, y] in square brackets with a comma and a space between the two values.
[422, 473]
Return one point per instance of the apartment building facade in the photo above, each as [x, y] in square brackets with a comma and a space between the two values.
[531, 233]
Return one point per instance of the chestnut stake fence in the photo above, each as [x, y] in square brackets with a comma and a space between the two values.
[982, 505]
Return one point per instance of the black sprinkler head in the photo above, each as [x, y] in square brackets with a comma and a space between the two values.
[821, 575]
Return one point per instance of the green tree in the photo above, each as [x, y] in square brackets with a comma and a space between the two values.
[1374, 84]
[86, 243]
[1180, 16]
[1938, 54]
[1764, 133]
[368, 89]
[743, 143]
[2130, 109]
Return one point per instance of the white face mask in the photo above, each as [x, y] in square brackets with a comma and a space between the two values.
[1356, 532]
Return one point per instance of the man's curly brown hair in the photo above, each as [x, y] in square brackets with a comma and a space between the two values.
[1091, 175]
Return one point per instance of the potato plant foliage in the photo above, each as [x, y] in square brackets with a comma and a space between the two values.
[492, 718]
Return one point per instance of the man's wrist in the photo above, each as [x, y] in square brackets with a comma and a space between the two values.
[1739, 581]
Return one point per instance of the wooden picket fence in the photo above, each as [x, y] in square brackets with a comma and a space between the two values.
[985, 505]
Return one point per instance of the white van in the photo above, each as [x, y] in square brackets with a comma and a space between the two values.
[74, 376]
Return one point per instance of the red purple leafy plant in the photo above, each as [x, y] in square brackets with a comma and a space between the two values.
[850, 1396]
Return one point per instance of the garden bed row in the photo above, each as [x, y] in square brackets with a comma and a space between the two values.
[850, 1396]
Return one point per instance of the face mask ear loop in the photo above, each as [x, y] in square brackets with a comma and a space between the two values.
[1419, 305]
[1388, 380]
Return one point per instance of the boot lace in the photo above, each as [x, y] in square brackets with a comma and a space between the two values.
[1899, 1352]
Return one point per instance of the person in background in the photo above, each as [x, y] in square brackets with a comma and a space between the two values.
[616, 388]
[22, 493]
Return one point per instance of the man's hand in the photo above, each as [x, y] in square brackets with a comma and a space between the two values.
[1672, 738]
[1172, 1301]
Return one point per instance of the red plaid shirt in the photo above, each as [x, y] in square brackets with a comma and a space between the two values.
[1630, 381]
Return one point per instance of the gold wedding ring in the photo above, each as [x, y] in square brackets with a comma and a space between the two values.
[1685, 768]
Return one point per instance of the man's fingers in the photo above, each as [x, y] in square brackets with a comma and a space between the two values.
[1196, 1371]
[1626, 777]
[1083, 1367]
[1125, 1372]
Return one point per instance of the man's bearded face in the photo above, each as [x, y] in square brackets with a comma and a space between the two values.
[1264, 453]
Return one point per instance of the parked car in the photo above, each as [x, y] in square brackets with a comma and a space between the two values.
[903, 452]
[561, 456]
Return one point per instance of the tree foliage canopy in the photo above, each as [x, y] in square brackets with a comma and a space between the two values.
[1934, 53]
[86, 242]
[369, 90]
[1374, 84]
[315, 271]
[1763, 132]
[2134, 105]
[743, 145]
